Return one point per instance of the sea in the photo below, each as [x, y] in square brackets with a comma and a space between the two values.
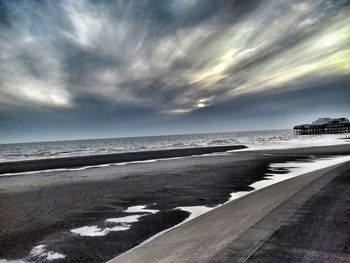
[252, 139]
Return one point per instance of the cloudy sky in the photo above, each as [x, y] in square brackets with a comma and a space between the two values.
[91, 69]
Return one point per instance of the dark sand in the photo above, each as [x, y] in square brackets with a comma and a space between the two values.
[42, 208]
[236, 231]
[343, 149]
[79, 161]
[304, 228]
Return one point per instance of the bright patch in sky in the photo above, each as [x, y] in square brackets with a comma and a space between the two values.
[164, 59]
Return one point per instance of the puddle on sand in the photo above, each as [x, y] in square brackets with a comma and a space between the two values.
[123, 223]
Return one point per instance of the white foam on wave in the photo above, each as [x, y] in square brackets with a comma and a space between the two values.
[253, 141]
[123, 223]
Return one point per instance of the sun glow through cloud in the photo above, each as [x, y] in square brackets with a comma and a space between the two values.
[54, 54]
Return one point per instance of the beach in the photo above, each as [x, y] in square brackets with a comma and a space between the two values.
[237, 231]
[180, 131]
[97, 213]
[94, 160]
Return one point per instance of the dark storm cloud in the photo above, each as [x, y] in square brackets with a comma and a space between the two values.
[157, 58]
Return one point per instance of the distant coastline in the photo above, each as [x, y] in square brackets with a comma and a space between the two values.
[257, 140]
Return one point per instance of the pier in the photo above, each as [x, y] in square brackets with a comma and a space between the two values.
[324, 126]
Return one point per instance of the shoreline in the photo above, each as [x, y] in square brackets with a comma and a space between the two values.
[176, 245]
[92, 160]
[58, 202]
[104, 160]
[258, 186]
[340, 149]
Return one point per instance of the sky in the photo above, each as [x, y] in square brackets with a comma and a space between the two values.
[101, 69]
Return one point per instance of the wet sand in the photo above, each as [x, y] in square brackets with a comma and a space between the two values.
[42, 208]
[311, 226]
[237, 231]
[342, 149]
[90, 160]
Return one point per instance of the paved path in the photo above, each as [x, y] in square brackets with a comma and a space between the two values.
[319, 231]
[235, 231]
